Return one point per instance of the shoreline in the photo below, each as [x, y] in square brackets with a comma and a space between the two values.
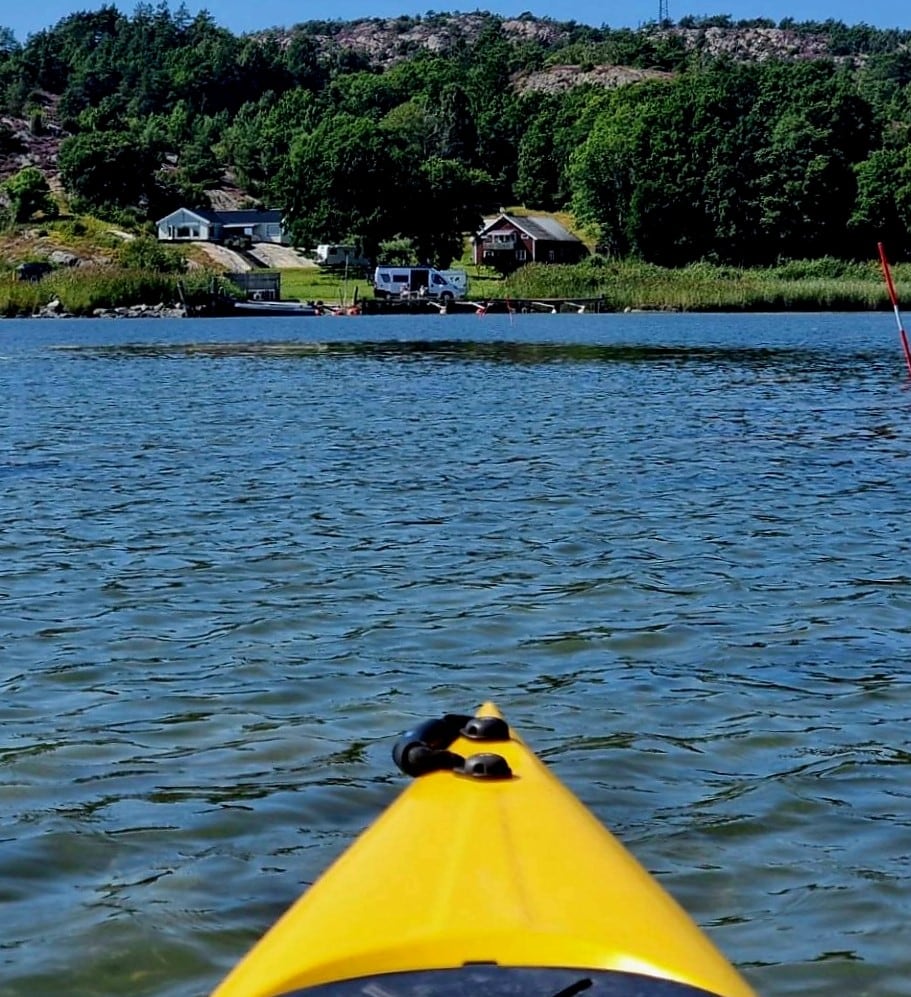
[372, 307]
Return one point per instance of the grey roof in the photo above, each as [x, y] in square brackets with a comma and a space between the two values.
[247, 217]
[241, 217]
[536, 226]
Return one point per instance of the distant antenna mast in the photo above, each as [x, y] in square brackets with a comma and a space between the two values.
[662, 12]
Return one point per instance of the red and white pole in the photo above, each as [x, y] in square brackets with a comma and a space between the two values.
[893, 297]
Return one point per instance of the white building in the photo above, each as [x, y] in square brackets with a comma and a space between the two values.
[198, 225]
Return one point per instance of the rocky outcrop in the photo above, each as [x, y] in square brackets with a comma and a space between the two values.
[556, 79]
[755, 44]
[386, 41]
[33, 146]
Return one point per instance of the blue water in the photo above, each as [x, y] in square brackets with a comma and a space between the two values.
[239, 557]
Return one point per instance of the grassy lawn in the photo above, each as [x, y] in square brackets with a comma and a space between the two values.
[310, 284]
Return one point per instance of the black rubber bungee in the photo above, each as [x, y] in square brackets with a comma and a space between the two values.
[425, 748]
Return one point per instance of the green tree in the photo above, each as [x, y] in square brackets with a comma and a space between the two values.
[344, 180]
[743, 164]
[302, 62]
[494, 104]
[8, 43]
[604, 171]
[29, 194]
[258, 140]
[882, 210]
[557, 124]
[454, 132]
[819, 129]
[109, 171]
[363, 94]
[448, 204]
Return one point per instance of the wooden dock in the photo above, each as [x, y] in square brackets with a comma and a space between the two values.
[482, 306]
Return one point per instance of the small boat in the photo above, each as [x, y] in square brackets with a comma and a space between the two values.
[486, 877]
[253, 307]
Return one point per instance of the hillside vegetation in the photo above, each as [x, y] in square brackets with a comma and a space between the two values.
[742, 144]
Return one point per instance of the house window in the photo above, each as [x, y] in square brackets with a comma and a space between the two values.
[551, 255]
[521, 255]
[489, 254]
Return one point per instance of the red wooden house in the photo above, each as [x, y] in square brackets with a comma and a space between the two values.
[508, 242]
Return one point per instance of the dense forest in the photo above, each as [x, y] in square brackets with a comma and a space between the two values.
[744, 144]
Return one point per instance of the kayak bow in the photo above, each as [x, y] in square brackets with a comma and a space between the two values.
[486, 876]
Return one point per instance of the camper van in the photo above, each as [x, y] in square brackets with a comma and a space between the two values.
[457, 277]
[418, 282]
[338, 257]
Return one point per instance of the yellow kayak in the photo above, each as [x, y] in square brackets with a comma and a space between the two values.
[486, 877]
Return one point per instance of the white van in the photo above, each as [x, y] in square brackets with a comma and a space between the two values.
[339, 256]
[416, 282]
[457, 277]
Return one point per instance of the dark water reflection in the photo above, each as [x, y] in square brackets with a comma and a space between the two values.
[795, 359]
[239, 558]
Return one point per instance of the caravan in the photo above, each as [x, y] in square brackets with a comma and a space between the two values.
[419, 282]
[339, 257]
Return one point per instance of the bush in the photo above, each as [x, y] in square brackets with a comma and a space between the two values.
[148, 254]
[29, 194]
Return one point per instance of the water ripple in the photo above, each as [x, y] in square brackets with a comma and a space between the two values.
[237, 564]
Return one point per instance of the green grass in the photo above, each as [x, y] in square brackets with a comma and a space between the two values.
[313, 284]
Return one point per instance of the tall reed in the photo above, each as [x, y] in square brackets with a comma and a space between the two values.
[19, 297]
[84, 290]
[808, 286]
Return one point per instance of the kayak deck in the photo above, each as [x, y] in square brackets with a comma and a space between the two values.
[494, 885]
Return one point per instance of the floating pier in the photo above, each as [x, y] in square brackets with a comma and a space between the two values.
[482, 306]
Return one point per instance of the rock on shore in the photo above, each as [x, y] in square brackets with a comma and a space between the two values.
[54, 309]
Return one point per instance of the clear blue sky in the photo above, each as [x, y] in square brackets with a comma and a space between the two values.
[28, 16]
